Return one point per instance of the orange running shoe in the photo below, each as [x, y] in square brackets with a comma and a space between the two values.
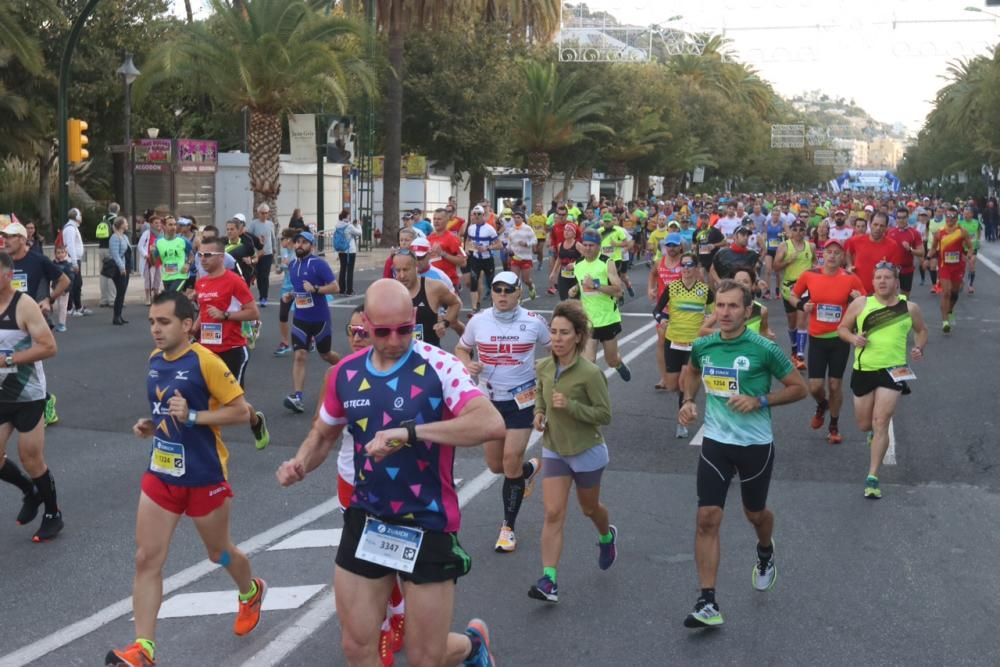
[397, 623]
[817, 419]
[248, 615]
[799, 364]
[130, 656]
[385, 648]
[834, 438]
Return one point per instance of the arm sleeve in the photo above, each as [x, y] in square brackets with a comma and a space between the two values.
[662, 302]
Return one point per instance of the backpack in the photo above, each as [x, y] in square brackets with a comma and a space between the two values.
[341, 242]
[103, 230]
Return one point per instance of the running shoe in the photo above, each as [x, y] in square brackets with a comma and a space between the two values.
[682, 431]
[551, 290]
[248, 615]
[50, 415]
[282, 350]
[705, 615]
[608, 553]
[972, 290]
[51, 525]
[951, 320]
[253, 334]
[294, 403]
[834, 437]
[130, 656]
[397, 626]
[529, 481]
[262, 303]
[946, 327]
[631, 292]
[385, 651]
[477, 628]
[764, 572]
[936, 289]
[817, 419]
[60, 328]
[86, 311]
[544, 589]
[624, 372]
[872, 489]
[29, 508]
[532, 294]
[507, 542]
[261, 436]
[75, 313]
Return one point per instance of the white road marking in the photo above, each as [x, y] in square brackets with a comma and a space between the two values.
[213, 603]
[309, 539]
[341, 304]
[988, 263]
[698, 437]
[276, 652]
[890, 454]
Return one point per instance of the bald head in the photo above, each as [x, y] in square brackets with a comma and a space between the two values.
[388, 301]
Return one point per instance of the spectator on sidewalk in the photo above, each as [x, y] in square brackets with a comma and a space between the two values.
[297, 223]
[149, 264]
[121, 252]
[103, 236]
[345, 242]
[35, 240]
[262, 229]
[73, 241]
[60, 304]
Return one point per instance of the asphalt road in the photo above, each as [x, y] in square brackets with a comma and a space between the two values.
[901, 581]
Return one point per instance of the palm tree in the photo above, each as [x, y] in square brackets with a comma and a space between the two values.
[530, 20]
[272, 57]
[554, 113]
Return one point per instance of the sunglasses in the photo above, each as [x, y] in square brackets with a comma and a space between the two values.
[357, 330]
[885, 265]
[209, 254]
[687, 265]
[400, 329]
[503, 289]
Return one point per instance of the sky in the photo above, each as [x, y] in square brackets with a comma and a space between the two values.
[845, 48]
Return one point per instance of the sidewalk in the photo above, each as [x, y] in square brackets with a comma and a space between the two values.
[370, 260]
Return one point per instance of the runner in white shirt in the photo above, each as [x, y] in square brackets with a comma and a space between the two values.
[840, 230]
[728, 224]
[504, 338]
[480, 241]
[521, 238]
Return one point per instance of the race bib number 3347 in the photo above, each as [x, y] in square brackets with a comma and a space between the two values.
[389, 545]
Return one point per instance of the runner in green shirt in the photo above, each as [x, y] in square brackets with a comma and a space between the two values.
[736, 367]
[175, 254]
[970, 223]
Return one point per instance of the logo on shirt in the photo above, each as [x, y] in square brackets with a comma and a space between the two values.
[153, 375]
[495, 339]
[358, 403]
[398, 403]
[741, 363]
[181, 375]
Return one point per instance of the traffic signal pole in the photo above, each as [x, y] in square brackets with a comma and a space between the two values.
[62, 112]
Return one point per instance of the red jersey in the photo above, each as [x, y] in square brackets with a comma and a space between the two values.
[558, 234]
[867, 253]
[450, 244]
[950, 245]
[666, 275]
[909, 235]
[830, 296]
[228, 293]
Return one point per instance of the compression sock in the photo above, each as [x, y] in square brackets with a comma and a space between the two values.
[834, 422]
[47, 490]
[149, 645]
[11, 474]
[606, 539]
[708, 595]
[954, 299]
[792, 338]
[513, 494]
[972, 278]
[923, 274]
[801, 340]
[549, 572]
[246, 597]
[527, 470]
[933, 273]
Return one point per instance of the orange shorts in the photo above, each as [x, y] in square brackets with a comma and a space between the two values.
[195, 501]
[954, 273]
[344, 492]
[521, 264]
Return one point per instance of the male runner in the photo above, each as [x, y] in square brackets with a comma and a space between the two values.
[614, 243]
[429, 298]
[504, 339]
[974, 228]
[736, 366]
[175, 253]
[312, 280]
[521, 242]
[598, 286]
[407, 405]
[831, 290]
[883, 322]
[795, 257]
[864, 251]
[480, 242]
[952, 246]
[192, 394]
[224, 303]
[25, 341]
[446, 249]
[912, 245]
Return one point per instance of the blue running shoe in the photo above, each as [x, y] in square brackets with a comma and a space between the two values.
[608, 553]
[545, 589]
[483, 658]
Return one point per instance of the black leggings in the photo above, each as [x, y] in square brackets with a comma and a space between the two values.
[121, 284]
[345, 278]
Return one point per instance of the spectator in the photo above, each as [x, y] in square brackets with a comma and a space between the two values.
[35, 240]
[262, 229]
[149, 264]
[297, 223]
[74, 249]
[345, 236]
[121, 252]
[103, 235]
[241, 246]
[62, 302]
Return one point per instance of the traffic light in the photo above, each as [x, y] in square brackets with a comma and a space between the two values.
[77, 140]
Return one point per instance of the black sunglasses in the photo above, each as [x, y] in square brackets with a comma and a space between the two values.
[503, 289]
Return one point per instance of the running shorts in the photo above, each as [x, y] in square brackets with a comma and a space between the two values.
[515, 417]
[865, 382]
[479, 265]
[827, 358]
[586, 468]
[523, 264]
[675, 358]
[605, 333]
[952, 272]
[236, 360]
[23, 416]
[303, 332]
[719, 462]
[905, 282]
[195, 501]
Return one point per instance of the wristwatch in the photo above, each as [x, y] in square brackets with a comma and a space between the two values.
[8, 361]
[411, 430]
[191, 419]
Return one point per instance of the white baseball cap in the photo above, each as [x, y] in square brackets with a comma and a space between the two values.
[507, 278]
[420, 247]
[239, 216]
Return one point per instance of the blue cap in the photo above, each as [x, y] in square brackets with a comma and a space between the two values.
[673, 239]
[590, 236]
[308, 236]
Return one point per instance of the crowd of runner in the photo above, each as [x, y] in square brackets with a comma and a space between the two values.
[406, 393]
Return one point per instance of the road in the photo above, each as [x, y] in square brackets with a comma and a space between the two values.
[902, 581]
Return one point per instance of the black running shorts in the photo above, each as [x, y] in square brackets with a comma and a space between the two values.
[827, 358]
[24, 416]
[719, 462]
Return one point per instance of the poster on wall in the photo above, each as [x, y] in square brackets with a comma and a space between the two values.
[152, 154]
[197, 155]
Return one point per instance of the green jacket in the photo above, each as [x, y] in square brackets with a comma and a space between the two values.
[575, 428]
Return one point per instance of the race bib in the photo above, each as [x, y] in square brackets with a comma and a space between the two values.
[524, 395]
[607, 250]
[683, 347]
[167, 458]
[567, 272]
[303, 300]
[20, 281]
[706, 248]
[4, 370]
[828, 312]
[721, 382]
[389, 545]
[901, 374]
[418, 332]
[773, 243]
[952, 257]
[211, 333]
[170, 269]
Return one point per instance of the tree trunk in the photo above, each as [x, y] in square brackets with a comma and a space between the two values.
[187, 10]
[393, 129]
[538, 192]
[45, 163]
[264, 140]
[477, 188]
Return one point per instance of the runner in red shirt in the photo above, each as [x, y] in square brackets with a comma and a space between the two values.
[667, 270]
[446, 248]
[831, 290]
[951, 245]
[224, 304]
[866, 250]
[912, 245]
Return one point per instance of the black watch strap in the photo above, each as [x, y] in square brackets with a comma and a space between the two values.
[411, 430]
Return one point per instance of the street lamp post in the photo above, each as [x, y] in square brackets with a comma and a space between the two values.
[129, 73]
